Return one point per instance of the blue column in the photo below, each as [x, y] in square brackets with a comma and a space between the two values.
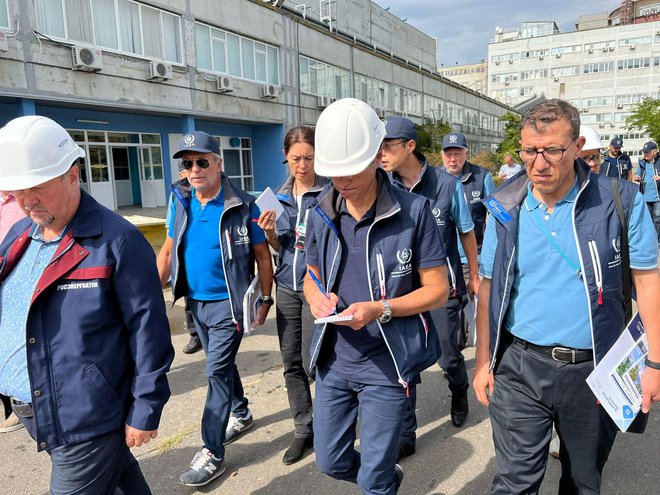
[188, 124]
[27, 107]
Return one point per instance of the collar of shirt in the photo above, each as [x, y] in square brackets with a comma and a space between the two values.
[531, 203]
[217, 199]
[37, 234]
[367, 217]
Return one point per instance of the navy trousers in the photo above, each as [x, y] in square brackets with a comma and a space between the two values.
[531, 393]
[220, 339]
[338, 405]
[448, 322]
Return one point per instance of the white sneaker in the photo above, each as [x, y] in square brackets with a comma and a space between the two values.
[204, 468]
[554, 447]
[237, 426]
[12, 423]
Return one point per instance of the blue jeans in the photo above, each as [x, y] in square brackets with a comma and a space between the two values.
[102, 466]
[220, 339]
[381, 409]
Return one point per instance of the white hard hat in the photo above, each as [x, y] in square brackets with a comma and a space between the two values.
[34, 150]
[348, 138]
[593, 141]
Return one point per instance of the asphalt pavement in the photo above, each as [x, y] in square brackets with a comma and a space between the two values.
[449, 460]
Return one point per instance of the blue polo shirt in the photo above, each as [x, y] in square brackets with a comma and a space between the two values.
[651, 187]
[202, 255]
[542, 273]
[489, 187]
[15, 295]
[362, 356]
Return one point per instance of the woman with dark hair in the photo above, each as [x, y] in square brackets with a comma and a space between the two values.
[287, 236]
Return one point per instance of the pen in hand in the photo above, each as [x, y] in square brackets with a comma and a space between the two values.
[320, 286]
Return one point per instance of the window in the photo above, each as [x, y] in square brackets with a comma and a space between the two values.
[4, 14]
[601, 45]
[321, 79]
[505, 57]
[641, 40]
[535, 53]
[227, 53]
[407, 102]
[595, 118]
[534, 74]
[527, 91]
[569, 70]
[629, 99]
[237, 161]
[122, 25]
[599, 101]
[598, 67]
[504, 78]
[634, 63]
[566, 49]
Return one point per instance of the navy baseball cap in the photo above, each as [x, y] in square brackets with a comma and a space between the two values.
[616, 143]
[198, 141]
[400, 127]
[454, 140]
[650, 146]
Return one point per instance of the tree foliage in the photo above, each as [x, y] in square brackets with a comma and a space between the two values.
[430, 136]
[511, 141]
[645, 117]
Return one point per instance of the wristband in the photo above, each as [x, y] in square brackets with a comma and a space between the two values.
[267, 300]
[652, 364]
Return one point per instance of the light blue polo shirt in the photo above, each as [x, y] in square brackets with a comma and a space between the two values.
[651, 186]
[460, 211]
[202, 254]
[489, 187]
[542, 274]
[15, 295]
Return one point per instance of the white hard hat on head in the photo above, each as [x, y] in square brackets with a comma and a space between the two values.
[593, 141]
[348, 138]
[34, 150]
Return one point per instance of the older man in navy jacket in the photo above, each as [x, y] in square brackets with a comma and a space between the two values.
[85, 338]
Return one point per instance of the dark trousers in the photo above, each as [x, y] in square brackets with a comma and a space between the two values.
[190, 322]
[101, 466]
[654, 208]
[295, 325]
[531, 393]
[381, 408]
[448, 322]
[220, 339]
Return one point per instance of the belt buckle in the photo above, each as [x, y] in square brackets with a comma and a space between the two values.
[563, 349]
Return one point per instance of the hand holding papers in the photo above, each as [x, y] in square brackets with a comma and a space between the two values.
[333, 318]
[268, 201]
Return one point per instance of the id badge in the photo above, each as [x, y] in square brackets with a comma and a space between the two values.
[301, 233]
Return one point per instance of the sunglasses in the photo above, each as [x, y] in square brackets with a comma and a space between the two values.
[201, 163]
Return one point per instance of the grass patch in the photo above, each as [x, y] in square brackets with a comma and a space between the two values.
[167, 444]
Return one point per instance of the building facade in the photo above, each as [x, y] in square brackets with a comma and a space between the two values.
[611, 62]
[472, 76]
[128, 78]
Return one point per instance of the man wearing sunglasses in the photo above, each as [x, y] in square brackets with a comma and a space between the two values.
[213, 241]
[648, 177]
[551, 306]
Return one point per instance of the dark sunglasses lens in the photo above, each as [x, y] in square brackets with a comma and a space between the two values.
[201, 163]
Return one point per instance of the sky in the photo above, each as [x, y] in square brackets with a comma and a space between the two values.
[464, 27]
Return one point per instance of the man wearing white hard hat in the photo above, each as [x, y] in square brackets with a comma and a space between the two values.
[85, 338]
[591, 152]
[376, 267]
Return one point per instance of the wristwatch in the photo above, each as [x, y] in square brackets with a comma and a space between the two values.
[267, 300]
[387, 312]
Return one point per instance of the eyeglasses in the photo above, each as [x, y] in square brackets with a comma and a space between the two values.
[388, 146]
[551, 155]
[201, 163]
[596, 158]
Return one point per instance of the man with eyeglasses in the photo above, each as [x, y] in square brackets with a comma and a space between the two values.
[212, 243]
[616, 163]
[551, 306]
[409, 170]
[591, 152]
[648, 177]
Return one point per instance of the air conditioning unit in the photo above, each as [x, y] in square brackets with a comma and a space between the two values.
[632, 47]
[591, 50]
[620, 106]
[86, 58]
[601, 124]
[584, 110]
[510, 60]
[224, 84]
[324, 101]
[611, 124]
[497, 62]
[269, 91]
[611, 49]
[506, 83]
[540, 57]
[604, 49]
[159, 71]
[556, 78]
[558, 55]
[380, 112]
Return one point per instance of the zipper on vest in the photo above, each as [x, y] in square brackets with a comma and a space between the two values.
[452, 278]
[598, 273]
[228, 238]
[381, 274]
[426, 330]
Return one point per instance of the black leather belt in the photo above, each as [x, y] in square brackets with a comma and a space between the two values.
[558, 353]
[21, 409]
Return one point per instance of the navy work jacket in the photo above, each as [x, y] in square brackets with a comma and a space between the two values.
[97, 336]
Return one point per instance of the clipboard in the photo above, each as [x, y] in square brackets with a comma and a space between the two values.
[251, 305]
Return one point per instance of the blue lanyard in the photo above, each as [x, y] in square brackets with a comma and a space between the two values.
[538, 223]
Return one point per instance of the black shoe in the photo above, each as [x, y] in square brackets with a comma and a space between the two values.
[459, 408]
[406, 449]
[298, 449]
[398, 477]
[193, 345]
